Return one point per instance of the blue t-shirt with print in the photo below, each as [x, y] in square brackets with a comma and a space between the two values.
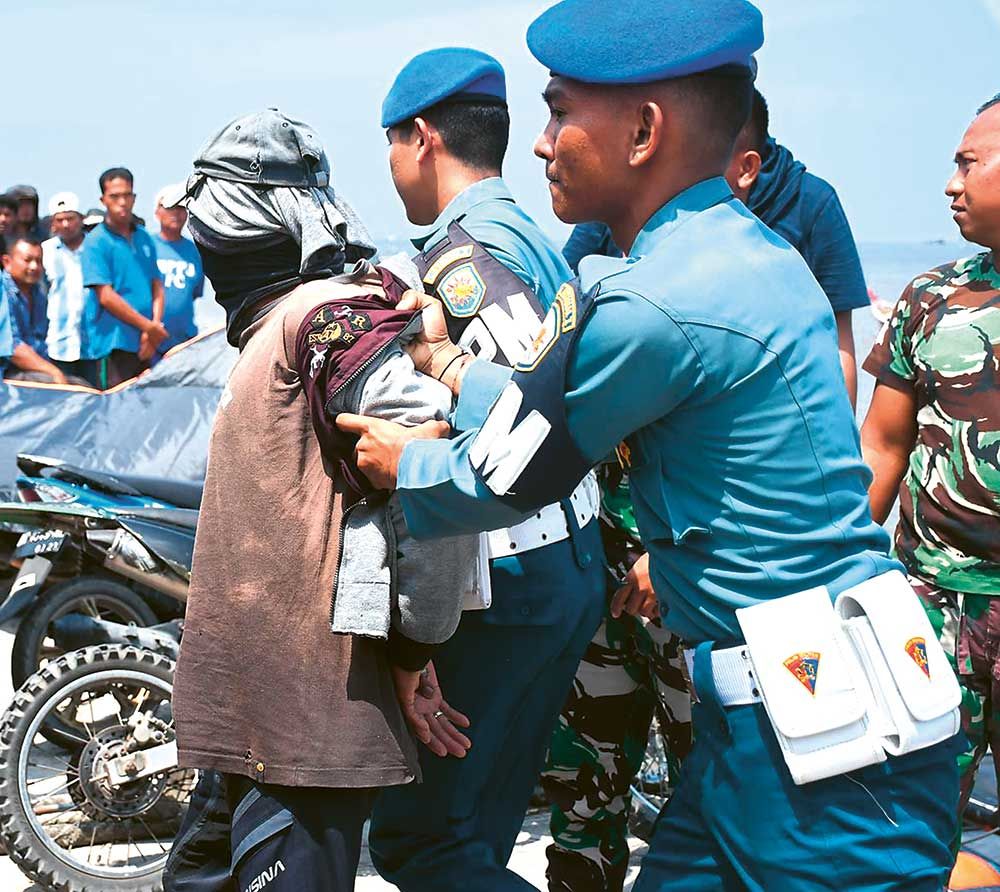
[183, 280]
[129, 266]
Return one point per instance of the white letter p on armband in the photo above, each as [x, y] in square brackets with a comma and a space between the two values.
[501, 451]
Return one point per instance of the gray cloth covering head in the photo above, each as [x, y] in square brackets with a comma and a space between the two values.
[229, 217]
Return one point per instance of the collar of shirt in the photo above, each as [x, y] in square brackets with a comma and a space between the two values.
[60, 245]
[490, 189]
[676, 212]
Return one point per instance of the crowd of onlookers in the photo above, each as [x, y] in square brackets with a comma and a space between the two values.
[89, 297]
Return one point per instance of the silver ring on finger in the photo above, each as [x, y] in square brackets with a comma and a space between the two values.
[438, 714]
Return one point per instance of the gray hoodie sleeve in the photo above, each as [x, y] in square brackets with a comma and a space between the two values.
[431, 578]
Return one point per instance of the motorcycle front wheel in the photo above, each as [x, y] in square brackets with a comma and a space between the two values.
[65, 821]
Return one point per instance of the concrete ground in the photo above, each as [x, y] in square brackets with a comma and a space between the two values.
[528, 859]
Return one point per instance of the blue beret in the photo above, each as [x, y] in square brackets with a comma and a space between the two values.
[639, 41]
[442, 74]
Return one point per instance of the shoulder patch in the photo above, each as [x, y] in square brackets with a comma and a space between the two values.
[548, 334]
[463, 290]
[446, 260]
[566, 298]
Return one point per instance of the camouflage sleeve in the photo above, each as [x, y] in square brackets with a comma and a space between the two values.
[891, 359]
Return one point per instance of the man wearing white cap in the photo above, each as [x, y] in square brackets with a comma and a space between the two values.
[180, 264]
[61, 259]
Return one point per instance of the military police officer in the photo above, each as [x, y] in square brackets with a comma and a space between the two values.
[747, 478]
[511, 665]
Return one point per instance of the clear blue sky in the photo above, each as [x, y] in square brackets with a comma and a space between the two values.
[874, 96]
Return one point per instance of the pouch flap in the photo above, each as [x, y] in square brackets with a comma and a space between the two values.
[804, 671]
[918, 665]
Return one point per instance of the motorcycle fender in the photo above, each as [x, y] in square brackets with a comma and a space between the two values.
[25, 588]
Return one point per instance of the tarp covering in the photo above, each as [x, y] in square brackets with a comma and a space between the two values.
[156, 425]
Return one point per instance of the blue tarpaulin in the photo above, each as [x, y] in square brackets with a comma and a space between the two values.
[156, 425]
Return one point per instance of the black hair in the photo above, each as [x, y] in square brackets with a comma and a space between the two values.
[3, 245]
[475, 132]
[987, 105]
[723, 98]
[8, 201]
[757, 128]
[115, 173]
[18, 239]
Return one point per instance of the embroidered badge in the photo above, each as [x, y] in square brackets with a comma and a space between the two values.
[805, 667]
[446, 260]
[566, 298]
[334, 333]
[917, 650]
[463, 290]
[318, 357]
[324, 316]
[547, 335]
[360, 321]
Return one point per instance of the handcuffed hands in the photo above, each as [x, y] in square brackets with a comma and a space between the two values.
[432, 720]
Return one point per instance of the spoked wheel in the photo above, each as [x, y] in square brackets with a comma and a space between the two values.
[102, 812]
[92, 596]
[652, 786]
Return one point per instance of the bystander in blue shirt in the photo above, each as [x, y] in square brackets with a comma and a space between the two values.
[6, 337]
[128, 266]
[28, 315]
[183, 281]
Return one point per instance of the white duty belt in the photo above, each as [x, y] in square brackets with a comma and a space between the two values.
[548, 525]
[845, 684]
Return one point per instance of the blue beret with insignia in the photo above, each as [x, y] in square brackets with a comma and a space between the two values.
[639, 41]
[447, 73]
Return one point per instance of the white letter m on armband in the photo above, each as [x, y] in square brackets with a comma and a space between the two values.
[501, 451]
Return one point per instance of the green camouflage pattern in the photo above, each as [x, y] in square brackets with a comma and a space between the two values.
[943, 339]
[968, 627]
[632, 668]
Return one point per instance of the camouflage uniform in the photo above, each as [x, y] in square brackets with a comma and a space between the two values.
[631, 668]
[943, 341]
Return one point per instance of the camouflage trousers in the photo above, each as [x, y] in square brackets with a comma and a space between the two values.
[968, 627]
[631, 669]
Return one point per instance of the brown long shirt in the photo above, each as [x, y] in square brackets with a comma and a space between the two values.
[263, 687]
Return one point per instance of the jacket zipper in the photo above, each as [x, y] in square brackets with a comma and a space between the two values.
[366, 364]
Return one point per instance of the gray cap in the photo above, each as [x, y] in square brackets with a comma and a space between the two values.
[261, 149]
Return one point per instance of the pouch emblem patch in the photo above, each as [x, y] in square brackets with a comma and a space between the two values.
[463, 290]
[916, 648]
[805, 667]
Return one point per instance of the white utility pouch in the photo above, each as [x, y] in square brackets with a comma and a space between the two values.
[811, 685]
[481, 595]
[914, 694]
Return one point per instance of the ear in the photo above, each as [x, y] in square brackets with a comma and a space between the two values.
[648, 134]
[749, 170]
[424, 136]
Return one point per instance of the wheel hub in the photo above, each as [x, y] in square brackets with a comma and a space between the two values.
[123, 800]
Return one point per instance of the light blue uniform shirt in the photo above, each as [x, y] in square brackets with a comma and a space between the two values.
[66, 298]
[128, 266]
[486, 210]
[713, 349]
[183, 282]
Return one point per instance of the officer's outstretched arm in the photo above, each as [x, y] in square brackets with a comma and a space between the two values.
[564, 408]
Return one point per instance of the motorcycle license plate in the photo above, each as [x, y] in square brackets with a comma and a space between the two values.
[40, 542]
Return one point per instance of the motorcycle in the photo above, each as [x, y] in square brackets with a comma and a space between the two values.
[98, 804]
[125, 551]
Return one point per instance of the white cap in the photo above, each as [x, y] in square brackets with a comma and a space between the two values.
[64, 202]
[169, 196]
